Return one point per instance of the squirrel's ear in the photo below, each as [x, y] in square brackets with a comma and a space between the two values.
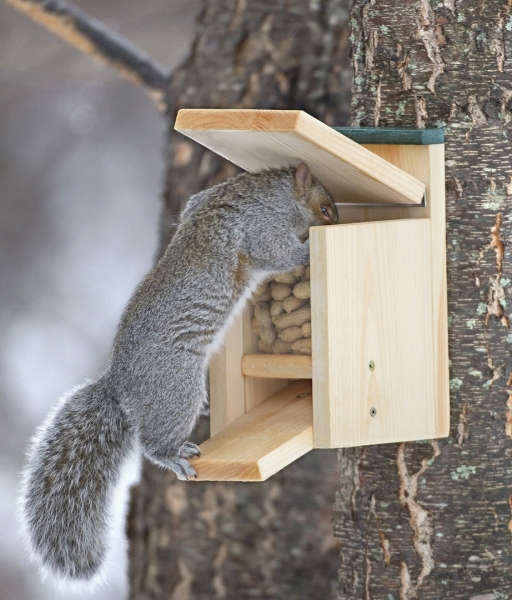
[302, 180]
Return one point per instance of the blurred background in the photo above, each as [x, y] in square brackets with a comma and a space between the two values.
[81, 172]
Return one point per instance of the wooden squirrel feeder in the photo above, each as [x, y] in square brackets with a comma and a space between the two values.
[379, 366]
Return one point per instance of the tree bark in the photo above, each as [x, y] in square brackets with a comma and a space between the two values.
[264, 540]
[432, 520]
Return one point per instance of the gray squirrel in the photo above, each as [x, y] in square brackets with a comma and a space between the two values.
[230, 238]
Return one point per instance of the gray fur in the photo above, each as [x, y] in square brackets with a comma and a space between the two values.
[230, 238]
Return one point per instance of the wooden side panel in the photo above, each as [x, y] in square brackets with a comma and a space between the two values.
[259, 139]
[263, 441]
[427, 164]
[227, 385]
[372, 324]
[439, 290]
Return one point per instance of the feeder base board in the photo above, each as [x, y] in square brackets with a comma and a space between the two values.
[263, 441]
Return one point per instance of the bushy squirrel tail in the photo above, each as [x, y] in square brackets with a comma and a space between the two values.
[73, 467]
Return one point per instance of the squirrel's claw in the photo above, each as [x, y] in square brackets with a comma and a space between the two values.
[189, 450]
[183, 469]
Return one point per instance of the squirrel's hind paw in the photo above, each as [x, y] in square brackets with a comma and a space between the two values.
[183, 469]
[176, 460]
[189, 450]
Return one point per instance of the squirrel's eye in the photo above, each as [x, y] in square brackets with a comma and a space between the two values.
[325, 212]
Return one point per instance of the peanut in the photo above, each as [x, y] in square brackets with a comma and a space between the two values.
[281, 347]
[297, 318]
[306, 330]
[280, 291]
[265, 348]
[292, 303]
[299, 271]
[255, 326]
[276, 308]
[264, 296]
[302, 347]
[268, 336]
[267, 329]
[286, 278]
[291, 334]
[262, 314]
[302, 290]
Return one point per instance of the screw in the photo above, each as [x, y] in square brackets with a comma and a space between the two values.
[373, 412]
[371, 365]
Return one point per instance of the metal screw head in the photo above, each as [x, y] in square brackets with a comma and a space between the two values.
[373, 412]
[371, 365]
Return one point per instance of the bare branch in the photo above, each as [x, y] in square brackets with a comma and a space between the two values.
[93, 37]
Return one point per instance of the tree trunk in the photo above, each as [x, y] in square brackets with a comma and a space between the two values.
[432, 520]
[263, 540]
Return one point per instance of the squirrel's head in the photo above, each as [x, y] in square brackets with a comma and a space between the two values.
[313, 197]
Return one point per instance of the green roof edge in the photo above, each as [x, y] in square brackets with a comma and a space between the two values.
[382, 135]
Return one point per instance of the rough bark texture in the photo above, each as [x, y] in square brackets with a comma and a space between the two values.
[432, 520]
[236, 541]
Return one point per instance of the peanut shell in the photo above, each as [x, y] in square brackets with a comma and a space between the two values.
[292, 334]
[265, 348]
[302, 347]
[281, 347]
[297, 318]
[286, 278]
[280, 291]
[302, 290]
[292, 303]
[268, 334]
[276, 308]
[265, 296]
[255, 325]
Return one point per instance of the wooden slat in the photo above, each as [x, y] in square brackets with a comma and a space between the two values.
[263, 441]
[371, 300]
[259, 139]
[280, 366]
[227, 385]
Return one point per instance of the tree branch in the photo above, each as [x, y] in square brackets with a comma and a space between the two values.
[93, 37]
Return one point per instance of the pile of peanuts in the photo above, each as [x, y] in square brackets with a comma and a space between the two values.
[282, 314]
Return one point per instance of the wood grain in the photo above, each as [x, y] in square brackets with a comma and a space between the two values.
[227, 385]
[263, 441]
[360, 274]
[427, 164]
[260, 139]
[281, 366]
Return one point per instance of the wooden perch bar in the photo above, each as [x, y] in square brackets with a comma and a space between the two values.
[277, 366]
[93, 37]
[263, 441]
